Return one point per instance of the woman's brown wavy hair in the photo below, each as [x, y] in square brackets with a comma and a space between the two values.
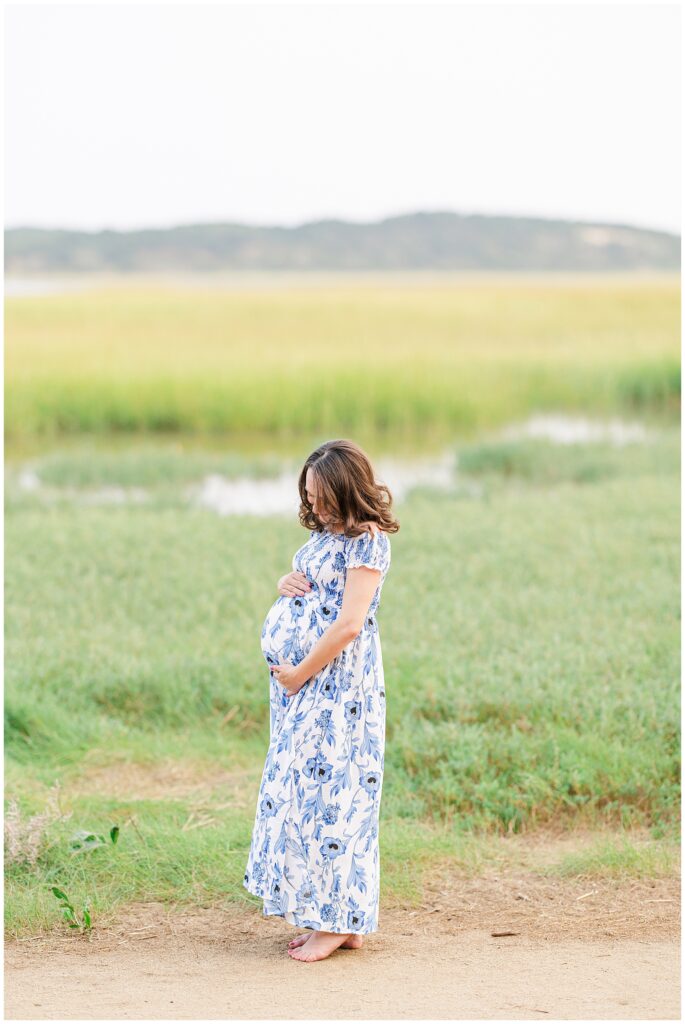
[346, 488]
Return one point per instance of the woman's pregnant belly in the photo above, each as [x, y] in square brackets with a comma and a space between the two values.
[292, 627]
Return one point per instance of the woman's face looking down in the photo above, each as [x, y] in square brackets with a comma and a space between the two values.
[312, 498]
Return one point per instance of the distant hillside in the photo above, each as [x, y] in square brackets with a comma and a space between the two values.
[415, 241]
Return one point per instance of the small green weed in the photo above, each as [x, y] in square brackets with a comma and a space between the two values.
[69, 912]
[84, 840]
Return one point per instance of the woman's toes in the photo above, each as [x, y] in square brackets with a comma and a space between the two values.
[299, 941]
[321, 945]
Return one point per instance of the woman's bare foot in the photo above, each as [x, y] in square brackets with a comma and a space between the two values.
[318, 945]
[351, 942]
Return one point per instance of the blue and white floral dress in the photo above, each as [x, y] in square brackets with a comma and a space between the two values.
[314, 852]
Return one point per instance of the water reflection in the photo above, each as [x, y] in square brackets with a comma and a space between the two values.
[279, 496]
[29, 287]
[259, 495]
[562, 429]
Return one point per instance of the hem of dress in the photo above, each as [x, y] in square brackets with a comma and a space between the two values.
[292, 918]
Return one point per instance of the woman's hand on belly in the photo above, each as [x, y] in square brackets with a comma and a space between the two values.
[293, 584]
[290, 677]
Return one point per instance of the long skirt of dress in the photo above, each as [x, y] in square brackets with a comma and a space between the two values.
[314, 855]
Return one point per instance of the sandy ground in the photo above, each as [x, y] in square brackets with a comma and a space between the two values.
[581, 950]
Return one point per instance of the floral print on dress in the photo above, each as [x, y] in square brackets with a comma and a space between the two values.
[314, 855]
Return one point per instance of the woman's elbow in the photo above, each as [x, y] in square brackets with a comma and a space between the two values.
[350, 629]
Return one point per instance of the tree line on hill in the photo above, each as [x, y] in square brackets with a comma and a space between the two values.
[440, 241]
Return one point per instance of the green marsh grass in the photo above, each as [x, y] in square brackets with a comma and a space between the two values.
[534, 681]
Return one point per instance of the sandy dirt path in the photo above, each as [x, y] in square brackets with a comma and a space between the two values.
[582, 950]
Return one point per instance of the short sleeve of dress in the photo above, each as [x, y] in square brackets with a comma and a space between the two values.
[370, 550]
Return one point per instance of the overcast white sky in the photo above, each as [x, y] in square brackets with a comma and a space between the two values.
[135, 115]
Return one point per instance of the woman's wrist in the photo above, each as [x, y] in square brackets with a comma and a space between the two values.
[301, 675]
[301, 678]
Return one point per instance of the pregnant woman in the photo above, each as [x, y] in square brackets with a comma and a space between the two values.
[314, 852]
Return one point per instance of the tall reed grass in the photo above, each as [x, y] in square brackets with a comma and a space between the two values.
[381, 358]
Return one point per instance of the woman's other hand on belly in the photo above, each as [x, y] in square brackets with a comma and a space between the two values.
[293, 584]
[290, 677]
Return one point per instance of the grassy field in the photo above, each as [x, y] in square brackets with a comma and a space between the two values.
[538, 684]
[370, 359]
